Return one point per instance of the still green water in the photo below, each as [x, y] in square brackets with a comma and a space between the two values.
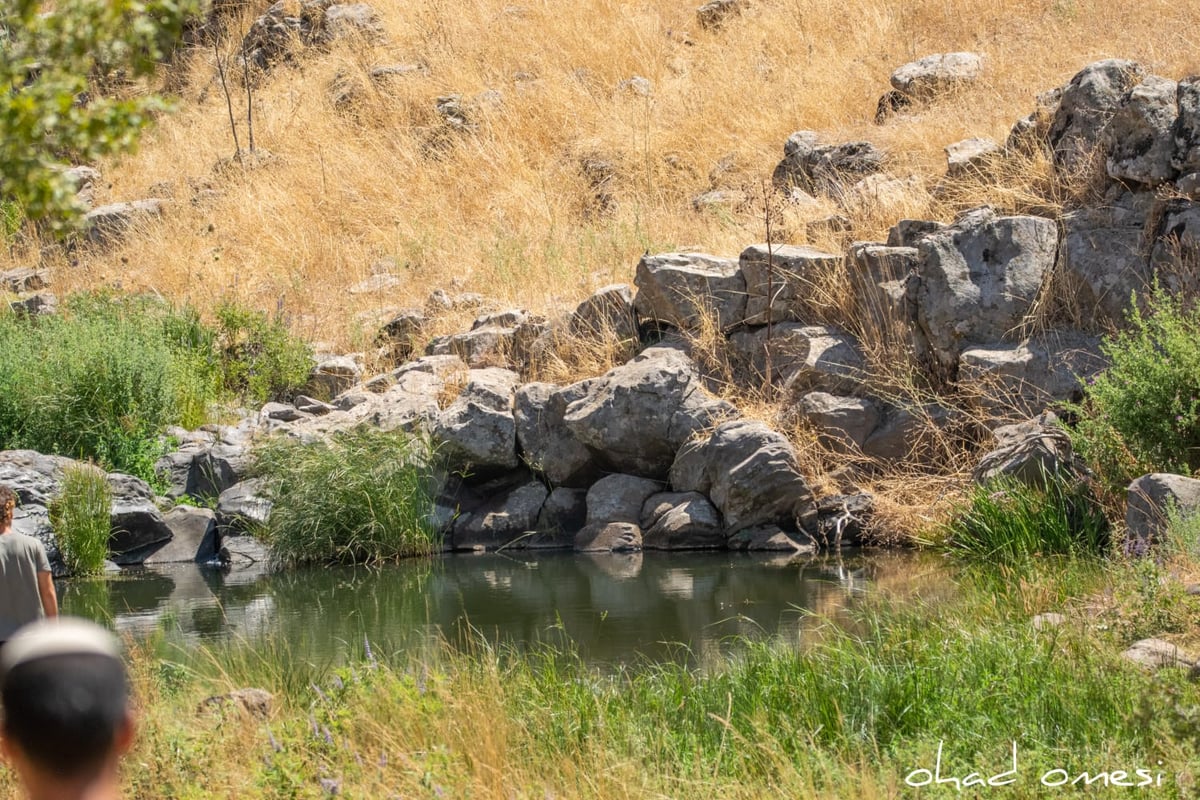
[611, 609]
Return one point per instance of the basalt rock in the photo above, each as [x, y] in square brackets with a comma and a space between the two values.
[979, 279]
[635, 417]
[751, 475]
[683, 290]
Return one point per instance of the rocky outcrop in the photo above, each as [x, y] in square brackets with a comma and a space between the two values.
[1105, 256]
[547, 445]
[503, 518]
[683, 290]
[635, 417]
[979, 279]
[1087, 104]
[1152, 499]
[751, 475]
[136, 522]
[477, 431]
[1028, 376]
[828, 169]
[779, 279]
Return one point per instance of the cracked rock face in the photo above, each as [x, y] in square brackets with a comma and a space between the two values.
[979, 279]
[751, 475]
[635, 417]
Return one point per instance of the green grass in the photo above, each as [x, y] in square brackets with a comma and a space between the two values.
[80, 516]
[1006, 521]
[849, 714]
[104, 378]
[360, 497]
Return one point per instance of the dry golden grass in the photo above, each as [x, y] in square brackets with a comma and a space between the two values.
[505, 211]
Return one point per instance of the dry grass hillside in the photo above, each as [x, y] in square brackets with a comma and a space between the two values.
[509, 209]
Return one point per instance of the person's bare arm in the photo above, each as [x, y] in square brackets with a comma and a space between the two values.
[49, 597]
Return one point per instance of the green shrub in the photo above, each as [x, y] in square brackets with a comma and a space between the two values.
[103, 380]
[362, 496]
[260, 359]
[1010, 522]
[1142, 414]
[98, 382]
[80, 516]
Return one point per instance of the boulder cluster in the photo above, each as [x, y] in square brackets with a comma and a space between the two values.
[645, 455]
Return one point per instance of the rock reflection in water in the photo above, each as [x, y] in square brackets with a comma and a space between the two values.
[610, 608]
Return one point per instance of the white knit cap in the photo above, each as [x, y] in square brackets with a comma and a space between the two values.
[57, 636]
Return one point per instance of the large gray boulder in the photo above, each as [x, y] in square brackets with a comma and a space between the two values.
[1151, 499]
[879, 277]
[194, 537]
[937, 74]
[824, 169]
[974, 157]
[780, 279]
[684, 290]
[681, 521]
[1187, 127]
[1087, 104]
[635, 417]
[1031, 453]
[332, 375]
[802, 357]
[1105, 256]
[547, 445]
[1028, 376]
[751, 475]
[842, 423]
[619, 498]
[477, 431]
[105, 225]
[1139, 140]
[244, 508]
[979, 279]
[503, 519]
[905, 432]
[564, 513]
[137, 523]
[608, 314]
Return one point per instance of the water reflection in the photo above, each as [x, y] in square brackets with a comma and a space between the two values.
[611, 608]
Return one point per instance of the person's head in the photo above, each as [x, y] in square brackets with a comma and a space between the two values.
[8, 504]
[65, 696]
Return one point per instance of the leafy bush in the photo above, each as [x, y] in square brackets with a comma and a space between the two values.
[1143, 413]
[362, 496]
[97, 383]
[102, 380]
[1009, 522]
[80, 516]
[260, 359]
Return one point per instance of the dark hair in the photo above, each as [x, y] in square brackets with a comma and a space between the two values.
[64, 711]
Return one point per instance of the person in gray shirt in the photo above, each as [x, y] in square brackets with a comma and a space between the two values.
[26, 583]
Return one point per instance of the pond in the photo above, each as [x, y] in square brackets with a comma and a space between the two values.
[613, 609]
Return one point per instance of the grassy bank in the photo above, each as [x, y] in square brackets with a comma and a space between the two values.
[852, 712]
[104, 378]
